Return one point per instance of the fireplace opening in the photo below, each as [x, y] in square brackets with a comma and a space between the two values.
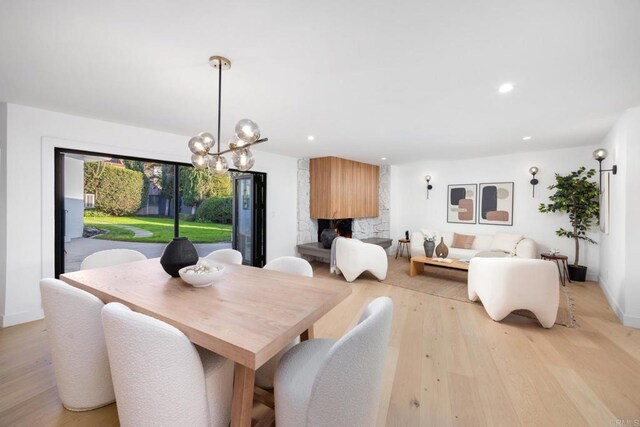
[341, 226]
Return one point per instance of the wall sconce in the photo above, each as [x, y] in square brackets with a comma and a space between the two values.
[533, 170]
[600, 154]
[429, 186]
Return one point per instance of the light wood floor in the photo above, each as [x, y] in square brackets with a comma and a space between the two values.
[448, 363]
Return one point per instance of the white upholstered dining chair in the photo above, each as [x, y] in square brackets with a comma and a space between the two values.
[230, 256]
[291, 265]
[78, 349]
[111, 257]
[160, 377]
[322, 382]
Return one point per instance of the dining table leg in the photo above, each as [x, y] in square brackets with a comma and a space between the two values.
[308, 334]
[243, 382]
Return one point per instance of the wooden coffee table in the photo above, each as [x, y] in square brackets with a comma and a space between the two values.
[418, 262]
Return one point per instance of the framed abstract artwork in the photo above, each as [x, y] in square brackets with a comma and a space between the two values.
[461, 203]
[495, 204]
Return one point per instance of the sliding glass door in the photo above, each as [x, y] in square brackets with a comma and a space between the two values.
[249, 207]
[106, 201]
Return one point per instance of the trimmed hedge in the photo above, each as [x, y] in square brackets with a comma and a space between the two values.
[216, 210]
[118, 190]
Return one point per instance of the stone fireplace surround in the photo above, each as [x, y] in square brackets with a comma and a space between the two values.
[361, 227]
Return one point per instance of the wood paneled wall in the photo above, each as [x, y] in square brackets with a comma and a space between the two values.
[342, 188]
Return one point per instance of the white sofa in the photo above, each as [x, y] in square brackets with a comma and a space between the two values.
[498, 244]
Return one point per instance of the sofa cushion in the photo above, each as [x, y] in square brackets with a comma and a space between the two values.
[493, 254]
[506, 242]
[462, 241]
[462, 253]
[482, 242]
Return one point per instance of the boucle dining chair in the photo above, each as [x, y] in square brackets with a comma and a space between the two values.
[111, 257]
[78, 349]
[290, 264]
[322, 382]
[230, 256]
[160, 377]
[285, 264]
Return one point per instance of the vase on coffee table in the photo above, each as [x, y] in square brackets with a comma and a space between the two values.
[442, 251]
[429, 247]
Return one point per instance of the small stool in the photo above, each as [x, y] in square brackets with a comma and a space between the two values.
[402, 245]
[563, 266]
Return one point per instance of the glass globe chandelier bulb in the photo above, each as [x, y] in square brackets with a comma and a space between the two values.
[427, 178]
[243, 159]
[208, 141]
[600, 154]
[196, 145]
[533, 170]
[235, 142]
[218, 165]
[247, 130]
[200, 161]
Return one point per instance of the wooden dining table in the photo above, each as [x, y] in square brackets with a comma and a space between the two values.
[248, 315]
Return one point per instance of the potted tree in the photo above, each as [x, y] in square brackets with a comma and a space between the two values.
[576, 195]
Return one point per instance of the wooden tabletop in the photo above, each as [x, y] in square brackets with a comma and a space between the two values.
[247, 316]
[455, 262]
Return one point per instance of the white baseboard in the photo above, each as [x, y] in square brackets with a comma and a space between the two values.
[22, 317]
[632, 321]
[612, 302]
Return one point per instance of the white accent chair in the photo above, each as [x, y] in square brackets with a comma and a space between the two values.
[507, 284]
[230, 256]
[354, 257]
[285, 264]
[326, 383]
[111, 257]
[160, 378]
[78, 348]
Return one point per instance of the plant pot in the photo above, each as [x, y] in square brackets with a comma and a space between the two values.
[429, 248]
[179, 253]
[577, 273]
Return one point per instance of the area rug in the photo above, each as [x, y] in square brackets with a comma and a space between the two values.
[448, 283]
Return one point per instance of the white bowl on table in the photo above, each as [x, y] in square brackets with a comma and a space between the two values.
[209, 272]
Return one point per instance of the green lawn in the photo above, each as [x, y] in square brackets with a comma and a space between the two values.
[162, 229]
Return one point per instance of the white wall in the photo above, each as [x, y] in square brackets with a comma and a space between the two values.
[73, 198]
[411, 210]
[33, 133]
[3, 204]
[73, 178]
[620, 252]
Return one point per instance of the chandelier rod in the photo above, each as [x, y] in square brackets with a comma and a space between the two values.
[219, 99]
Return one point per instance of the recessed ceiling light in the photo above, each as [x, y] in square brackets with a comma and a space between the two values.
[506, 87]
[383, 158]
[310, 138]
[526, 138]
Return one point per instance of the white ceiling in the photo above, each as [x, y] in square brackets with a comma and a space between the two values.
[405, 80]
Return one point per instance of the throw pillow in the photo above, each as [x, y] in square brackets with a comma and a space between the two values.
[506, 242]
[462, 241]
